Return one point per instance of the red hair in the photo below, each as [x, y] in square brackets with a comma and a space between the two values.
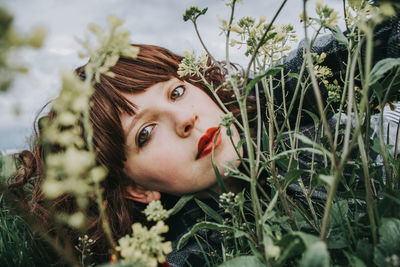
[153, 65]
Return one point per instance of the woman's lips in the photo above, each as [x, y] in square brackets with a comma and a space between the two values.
[204, 147]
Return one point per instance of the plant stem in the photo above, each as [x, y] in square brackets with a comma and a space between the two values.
[368, 192]
[205, 47]
[103, 217]
[317, 92]
[259, 128]
[243, 112]
[345, 88]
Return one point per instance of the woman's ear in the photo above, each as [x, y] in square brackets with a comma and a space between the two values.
[140, 195]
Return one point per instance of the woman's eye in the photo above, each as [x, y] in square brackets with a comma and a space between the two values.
[144, 135]
[177, 92]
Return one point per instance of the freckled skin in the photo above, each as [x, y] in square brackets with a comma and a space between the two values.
[167, 161]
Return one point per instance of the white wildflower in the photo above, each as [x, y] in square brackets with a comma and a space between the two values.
[191, 65]
[273, 251]
[155, 211]
[145, 245]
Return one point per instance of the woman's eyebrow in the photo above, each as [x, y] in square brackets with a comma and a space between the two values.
[135, 118]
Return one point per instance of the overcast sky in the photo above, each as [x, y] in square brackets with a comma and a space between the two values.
[152, 21]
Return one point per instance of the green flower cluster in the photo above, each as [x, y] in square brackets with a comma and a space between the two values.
[334, 92]
[276, 44]
[363, 15]
[321, 72]
[191, 65]
[145, 247]
[226, 121]
[193, 13]
[110, 47]
[327, 17]
[155, 211]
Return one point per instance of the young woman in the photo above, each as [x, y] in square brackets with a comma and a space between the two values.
[154, 131]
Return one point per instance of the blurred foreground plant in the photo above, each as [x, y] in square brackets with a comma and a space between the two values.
[10, 40]
[70, 162]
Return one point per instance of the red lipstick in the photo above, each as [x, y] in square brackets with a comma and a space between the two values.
[204, 147]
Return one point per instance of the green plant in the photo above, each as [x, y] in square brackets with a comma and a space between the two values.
[276, 152]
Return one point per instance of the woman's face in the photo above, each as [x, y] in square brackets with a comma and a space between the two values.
[169, 139]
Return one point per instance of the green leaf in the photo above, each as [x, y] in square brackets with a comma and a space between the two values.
[271, 205]
[337, 239]
[293, 175]
[180, 204]
[251, 261]
[204, 11]
[383, 66]
[316, 256]
[364, 251]
[313, 117]
[220, 181]
[240, 143]
[389, 241]
[211, 226]
[340, 211]
[353, 261]
[275, 70]
[338, 234]
[293, 244]
[299, 219]
[377, 146]
[291, 151]
[307, 239]
[292, 248]
[339, 36]
[209, 211]
[219, 178]
[293, 75]
[379, 91]
[328, 179]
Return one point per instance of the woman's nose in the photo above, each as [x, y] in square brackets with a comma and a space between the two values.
[185, 124]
